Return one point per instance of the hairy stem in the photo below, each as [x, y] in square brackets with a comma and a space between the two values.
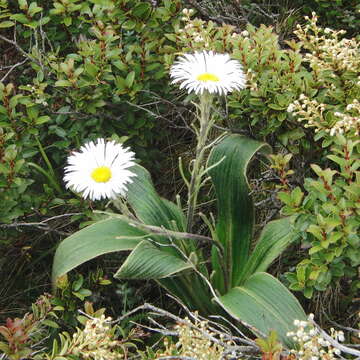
[206, 122]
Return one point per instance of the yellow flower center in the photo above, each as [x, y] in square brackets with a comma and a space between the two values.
[101, 174]
[207, 77]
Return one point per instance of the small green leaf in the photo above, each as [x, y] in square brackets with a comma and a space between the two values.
[78, 71]
[120, 65]
[314, 274]
[315, 249]
[120, 83]
[63, 83]
[42, 120]
[79, 295]
[354, 256]
[338, 160]
[21, 18]
[171, 37]
[23, 5]
[276, 107]
[104, 282]
[296, 286]
[77, 284]
[129, 25]
[308, 292]
[141, 10]
[85, 292]
[15, 100]
[50, 323]
[91, 69]
[301, 272]
[130, 79]
[285, 197]
[40, 76]
[34, 9]
[316, 231]
[33, 112]
[334, 236]
[67, 21]
[6, 24]
[297, 196]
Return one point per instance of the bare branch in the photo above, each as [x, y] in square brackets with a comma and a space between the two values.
[161, 230]
[231, 130]
[356, 331]
[219, 19]
[224, 331]
[12, 68]
[18, 48]
[336, 344]
[252, 348]
[161, 331]
[42, 225]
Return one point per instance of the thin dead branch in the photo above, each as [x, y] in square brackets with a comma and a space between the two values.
[12, 68]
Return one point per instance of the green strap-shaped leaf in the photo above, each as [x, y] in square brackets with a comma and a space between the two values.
[273, 240]
[265, 304]
[103, 237]
[148, 261]
[234, 205]
[149, 207]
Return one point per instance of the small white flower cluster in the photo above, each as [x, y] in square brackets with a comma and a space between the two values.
[244, 34]
[191, 344]
[187, 14]
[194, 30]
[251, 77]
[328, 52]
[312, 345]
[312, 112]
[348, 122]
[194, 341]
[37, 93]
[198, 34]
[96, 341]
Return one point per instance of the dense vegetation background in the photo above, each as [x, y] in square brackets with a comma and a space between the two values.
[76, 70]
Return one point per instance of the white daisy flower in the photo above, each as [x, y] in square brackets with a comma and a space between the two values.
[208, 71]
[100, 170]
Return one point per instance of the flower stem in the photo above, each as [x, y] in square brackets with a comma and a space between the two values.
[206, 122]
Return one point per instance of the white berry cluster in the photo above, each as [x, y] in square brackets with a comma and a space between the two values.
[96, 341]
[311, 344]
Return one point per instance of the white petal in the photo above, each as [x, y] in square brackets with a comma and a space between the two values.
[93, 155]
[188, 67]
